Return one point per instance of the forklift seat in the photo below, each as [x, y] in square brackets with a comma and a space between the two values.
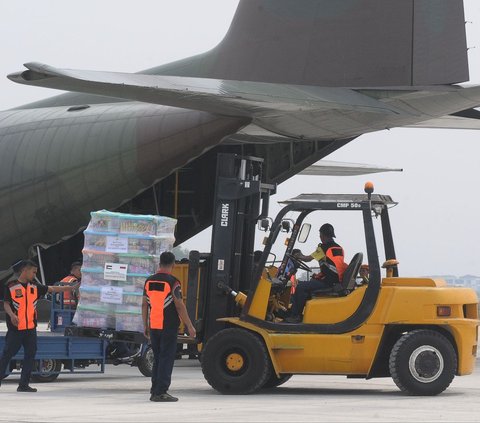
[348, 282]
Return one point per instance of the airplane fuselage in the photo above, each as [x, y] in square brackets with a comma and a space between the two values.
[59, 165]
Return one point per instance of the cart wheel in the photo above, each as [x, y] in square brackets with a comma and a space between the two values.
[423, 362]
[48, 369]
[275, 381]
[236, 361]
[13, 366]
[145, 362]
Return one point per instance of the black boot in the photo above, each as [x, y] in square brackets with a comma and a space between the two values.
[26, 389]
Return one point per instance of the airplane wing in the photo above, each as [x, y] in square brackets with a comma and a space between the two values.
[298, 111]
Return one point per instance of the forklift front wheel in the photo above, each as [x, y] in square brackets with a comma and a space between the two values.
[236, 361]
[145, 362]
[423, 362]
[48, 370]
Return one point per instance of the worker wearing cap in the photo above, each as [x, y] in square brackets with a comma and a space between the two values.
[21, 296]
[331, 260]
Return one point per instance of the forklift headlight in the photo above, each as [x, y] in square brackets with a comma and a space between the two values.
[444, 311]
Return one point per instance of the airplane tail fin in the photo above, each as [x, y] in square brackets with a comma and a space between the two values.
[355, 43]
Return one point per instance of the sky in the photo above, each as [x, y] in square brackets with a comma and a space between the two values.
[436, 225]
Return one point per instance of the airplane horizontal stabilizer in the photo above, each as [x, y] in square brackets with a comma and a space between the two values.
[466, 119]
[238, 98]
[329, 168]
[296, 111]
[262, 102]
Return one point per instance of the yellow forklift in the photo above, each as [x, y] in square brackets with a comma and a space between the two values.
[419, 331]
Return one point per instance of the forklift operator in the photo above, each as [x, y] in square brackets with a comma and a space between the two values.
[331, 259]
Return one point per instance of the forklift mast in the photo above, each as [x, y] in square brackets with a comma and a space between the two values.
[239, 194]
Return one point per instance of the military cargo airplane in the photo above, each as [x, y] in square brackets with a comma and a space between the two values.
[291, 82]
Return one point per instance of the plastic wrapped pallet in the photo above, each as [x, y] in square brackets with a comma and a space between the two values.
[121, 223]
[120, 251]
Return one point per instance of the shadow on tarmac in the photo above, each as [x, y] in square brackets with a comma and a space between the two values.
[342, 392]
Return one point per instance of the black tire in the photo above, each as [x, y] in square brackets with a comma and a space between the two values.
[49, 369]
[275, 381]
[423, 362]
[13, 366]
[145, 362]
[236, 361]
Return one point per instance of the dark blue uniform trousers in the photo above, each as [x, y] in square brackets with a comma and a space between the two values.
[164, 347]
[14, 340]
[303, 292]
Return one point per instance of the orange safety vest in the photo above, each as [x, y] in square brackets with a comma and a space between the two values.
[159, 296]
[24, 302]
[336, 261]
[68, 296]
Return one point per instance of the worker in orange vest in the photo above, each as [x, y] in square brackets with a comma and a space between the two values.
[162, 309]
[20, 303]
[70, 298]
[331, 259]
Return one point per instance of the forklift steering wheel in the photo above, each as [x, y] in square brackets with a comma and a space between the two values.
[299, 263]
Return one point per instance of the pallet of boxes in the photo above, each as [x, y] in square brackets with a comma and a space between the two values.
[120, 252]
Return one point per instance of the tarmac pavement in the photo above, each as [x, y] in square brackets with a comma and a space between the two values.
[122, 394]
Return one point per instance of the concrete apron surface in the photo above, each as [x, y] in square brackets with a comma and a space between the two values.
[122, 394]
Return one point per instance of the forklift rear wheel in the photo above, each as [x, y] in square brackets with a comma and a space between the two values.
[423, 362]
[275, 381]
[236, 361]
[48, 368]
[145, 362]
